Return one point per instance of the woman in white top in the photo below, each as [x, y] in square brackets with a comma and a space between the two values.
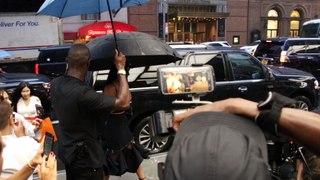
[31, 130]
[24, 101]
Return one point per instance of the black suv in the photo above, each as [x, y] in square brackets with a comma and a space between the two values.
[51, 60]
[299, 53]
[237, 73]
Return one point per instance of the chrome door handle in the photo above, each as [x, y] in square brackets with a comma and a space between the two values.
[242, 88]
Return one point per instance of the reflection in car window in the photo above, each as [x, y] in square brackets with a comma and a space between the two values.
[218, 65]
[298, 47]
[245, 67]
[213, 59]
[269, 49]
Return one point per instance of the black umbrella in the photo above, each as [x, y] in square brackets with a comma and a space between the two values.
[141, 49]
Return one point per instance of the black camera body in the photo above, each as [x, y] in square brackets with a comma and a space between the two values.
[161, 124]
[193, 81]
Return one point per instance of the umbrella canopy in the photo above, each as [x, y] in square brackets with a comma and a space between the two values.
[104, 28]
[66, 8]
[141, 49]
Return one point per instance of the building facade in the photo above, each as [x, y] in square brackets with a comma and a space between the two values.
[237, 21]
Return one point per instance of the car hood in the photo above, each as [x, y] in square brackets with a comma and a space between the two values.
[280, 70]
[6, 78]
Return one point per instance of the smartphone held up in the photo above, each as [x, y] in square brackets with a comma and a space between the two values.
[40, 111]
[48, 144]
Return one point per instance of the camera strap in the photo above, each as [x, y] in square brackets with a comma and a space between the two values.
[270, 111]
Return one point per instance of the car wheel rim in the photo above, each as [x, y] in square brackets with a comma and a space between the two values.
[302, 105]
[146, 142]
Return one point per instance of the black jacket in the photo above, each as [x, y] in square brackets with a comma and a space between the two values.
[78, 107]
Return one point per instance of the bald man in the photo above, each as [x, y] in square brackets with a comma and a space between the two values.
[78, 108]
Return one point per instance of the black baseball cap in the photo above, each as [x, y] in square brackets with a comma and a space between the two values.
[216, 145]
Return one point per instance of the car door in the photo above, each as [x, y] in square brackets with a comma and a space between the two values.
[250, 77]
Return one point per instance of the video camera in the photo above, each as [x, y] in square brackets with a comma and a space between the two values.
[195, 81]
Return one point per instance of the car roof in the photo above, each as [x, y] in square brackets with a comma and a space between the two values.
[314, 21]
[289, 38]
[187, 46]
[63, 46]
[223, 43]
[218, 50]
[178, 43]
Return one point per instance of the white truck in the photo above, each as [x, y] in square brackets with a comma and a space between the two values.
[23, 34]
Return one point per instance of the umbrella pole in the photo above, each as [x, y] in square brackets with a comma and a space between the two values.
[113, 30]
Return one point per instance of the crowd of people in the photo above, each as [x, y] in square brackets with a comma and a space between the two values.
[16, 148]
[221, 140]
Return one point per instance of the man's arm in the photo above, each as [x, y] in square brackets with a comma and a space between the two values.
[123, 95]
[303, 126]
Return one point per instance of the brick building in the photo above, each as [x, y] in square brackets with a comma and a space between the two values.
[237, 21]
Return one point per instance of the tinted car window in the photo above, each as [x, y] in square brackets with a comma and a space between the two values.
[218, 65]
[53, 55]
[302, 46]
[269, 48]
[245, 67]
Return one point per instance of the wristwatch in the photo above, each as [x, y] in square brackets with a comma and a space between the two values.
[121, 72]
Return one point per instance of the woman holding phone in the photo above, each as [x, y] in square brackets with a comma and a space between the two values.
[30, 129]
[24, 102]
[28, 104]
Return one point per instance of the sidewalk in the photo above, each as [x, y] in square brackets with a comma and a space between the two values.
[149, 167]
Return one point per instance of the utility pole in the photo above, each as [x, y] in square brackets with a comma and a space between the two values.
[163, 10]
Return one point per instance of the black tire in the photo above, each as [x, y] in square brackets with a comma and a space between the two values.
[303, 103]
[142, 138]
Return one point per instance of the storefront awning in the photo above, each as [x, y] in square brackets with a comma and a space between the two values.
[203, 14]
[104, 28]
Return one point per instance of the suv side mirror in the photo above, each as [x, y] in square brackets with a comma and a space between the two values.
[269, 74]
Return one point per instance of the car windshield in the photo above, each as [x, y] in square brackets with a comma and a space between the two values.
[57, 55]
[268, 49]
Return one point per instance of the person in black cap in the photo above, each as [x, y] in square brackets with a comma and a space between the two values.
[217, 145]
[273, 115]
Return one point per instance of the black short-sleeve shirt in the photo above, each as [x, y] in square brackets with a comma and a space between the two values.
[78, 107]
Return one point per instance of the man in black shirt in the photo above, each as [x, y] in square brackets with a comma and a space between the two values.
[77, 107]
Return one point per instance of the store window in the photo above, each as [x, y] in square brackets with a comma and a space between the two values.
[294, 23]
[272, 24]
[95, 16]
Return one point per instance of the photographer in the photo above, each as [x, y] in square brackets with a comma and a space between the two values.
[217, 141]
[303, 126]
